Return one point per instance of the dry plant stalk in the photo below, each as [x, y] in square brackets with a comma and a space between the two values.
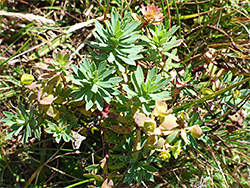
[27, 17]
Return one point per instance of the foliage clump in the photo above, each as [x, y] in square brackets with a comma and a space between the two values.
[135, 103]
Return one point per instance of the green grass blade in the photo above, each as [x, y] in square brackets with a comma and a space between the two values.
[47, 48]
[79, 183]
[211, 96]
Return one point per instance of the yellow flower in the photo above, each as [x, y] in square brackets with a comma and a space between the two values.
[145, 122]
[164, 156]
[152, 14]
[176, 149]
[161, 109]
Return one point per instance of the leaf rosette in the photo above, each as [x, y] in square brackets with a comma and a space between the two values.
[117, 41]
[95, 84]
[149, 90]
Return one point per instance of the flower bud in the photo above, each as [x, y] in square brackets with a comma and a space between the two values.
[152, 14]
[196, 131]
[161, 109]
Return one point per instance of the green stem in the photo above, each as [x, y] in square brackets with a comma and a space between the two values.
[178, 18]
[128, 6]
[81, 182]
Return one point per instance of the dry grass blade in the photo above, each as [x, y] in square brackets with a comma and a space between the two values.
[218, 164]
[27, 17]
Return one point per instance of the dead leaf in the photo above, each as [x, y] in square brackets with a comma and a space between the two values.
[236, 119]
[108, 183]
[169, 123]
[77, 140]
[48, 100]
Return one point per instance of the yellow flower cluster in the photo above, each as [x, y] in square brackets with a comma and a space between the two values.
[165, 125]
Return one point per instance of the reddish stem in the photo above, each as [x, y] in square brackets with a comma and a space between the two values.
[144, 24]
[106, 156]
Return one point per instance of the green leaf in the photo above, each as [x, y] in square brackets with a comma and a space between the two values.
[93, 167]
[111, 57]
[66, 137]
[118, 33]
[99, 102]
[100, 29]
[127, 60]
[52, 126]
[176, 150]
[138, 177]
[102, 66]
[120, 67]
[172, 31]
[192, 140]
[136, 84]
[9, 135]
[49, 47]
[106, 84]
[144, 87]
[193, 119]
[129, 41]
[95, 87]
[75, 69]
[108, 31]
[117, 166]
[85, 70]
[10, 118]
[172, 56]
[131, 175]
[18, 128]
[58, 139]
[114, 19]
[159, 85]
[132, 51]
[142, 99]
[105, 94]
[79, 94]
[23, 114]
[151, 74]
[171, 44]
[96, 177]
[205, 128]
[150, 168]
[89, 104]
[131, 26]
[149, 177]
[206, 140]
[128, 90]
[139, 75]
[115, 80]
[206, 91]
[31, 114]
[146, 109]
[164, 95]
[26, 134]
[171, 137]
